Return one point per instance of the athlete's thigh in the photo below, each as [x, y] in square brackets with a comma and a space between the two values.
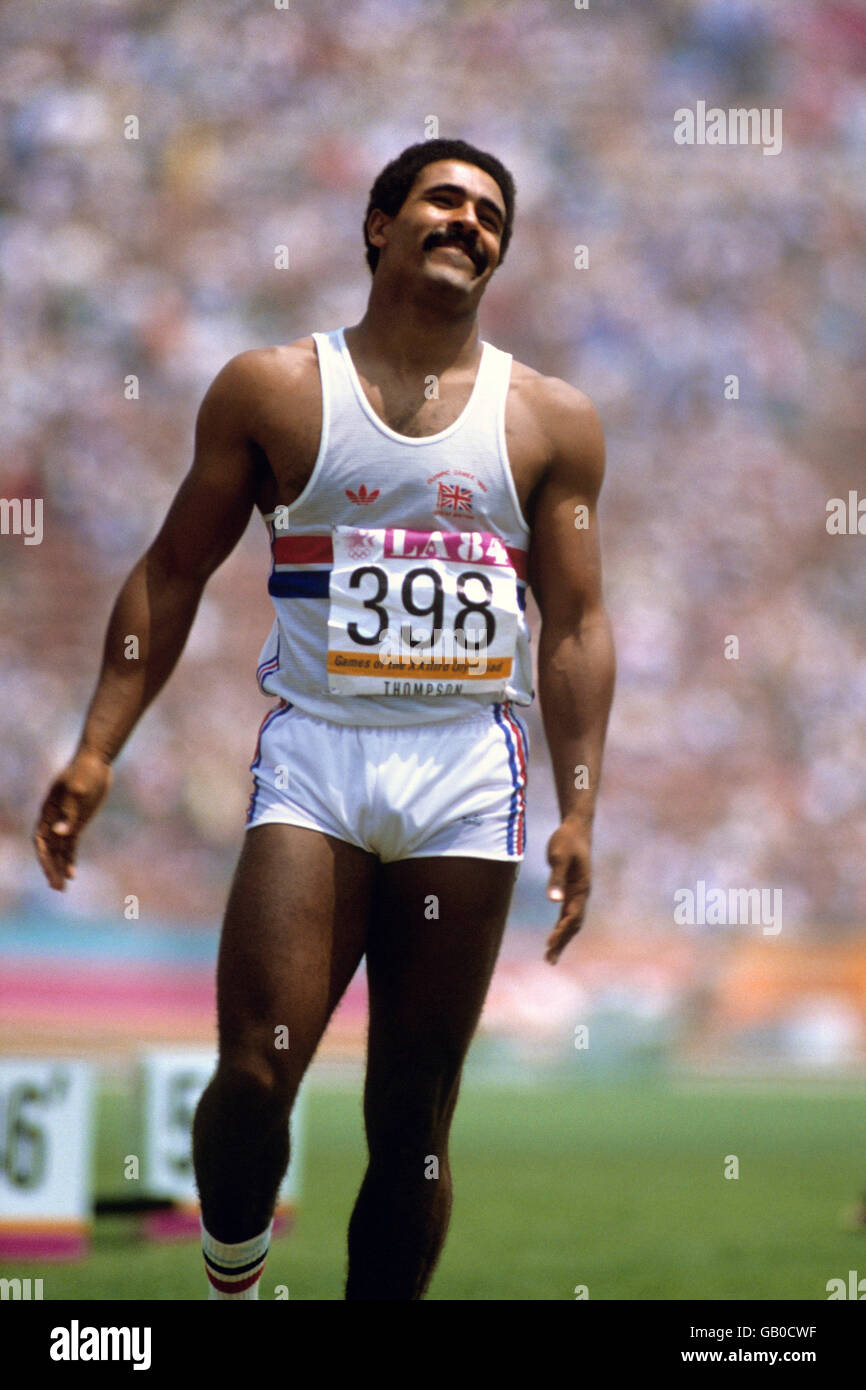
[434, 935]
[292, 938]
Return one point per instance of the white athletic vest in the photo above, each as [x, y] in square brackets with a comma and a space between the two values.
[392, 541]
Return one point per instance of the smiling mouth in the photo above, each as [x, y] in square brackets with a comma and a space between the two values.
[453, 246]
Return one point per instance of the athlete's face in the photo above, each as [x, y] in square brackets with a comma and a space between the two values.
[450, 226]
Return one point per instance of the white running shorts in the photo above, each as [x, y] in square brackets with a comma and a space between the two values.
[400, 793]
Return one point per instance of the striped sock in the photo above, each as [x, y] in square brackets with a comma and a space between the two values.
[234, 1270]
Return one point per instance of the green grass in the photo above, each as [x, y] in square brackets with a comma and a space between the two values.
[617, 1187]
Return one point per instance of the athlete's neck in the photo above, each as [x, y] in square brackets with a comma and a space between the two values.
[410, 339]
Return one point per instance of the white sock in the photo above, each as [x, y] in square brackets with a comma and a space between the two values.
[234, 1270]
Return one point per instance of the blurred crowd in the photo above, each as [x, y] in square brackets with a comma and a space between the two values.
[153, 258]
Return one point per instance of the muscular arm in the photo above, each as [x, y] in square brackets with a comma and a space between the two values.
[576, 663]
[156, 606]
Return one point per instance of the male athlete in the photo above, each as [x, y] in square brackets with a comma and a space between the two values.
[413, 480]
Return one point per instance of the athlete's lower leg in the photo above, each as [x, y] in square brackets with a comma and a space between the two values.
[240, 1151]
[397, 1232]
[292, 938]
[400, 1220]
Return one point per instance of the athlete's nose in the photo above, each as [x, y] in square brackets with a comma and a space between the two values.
[465, 231]
[467, 219]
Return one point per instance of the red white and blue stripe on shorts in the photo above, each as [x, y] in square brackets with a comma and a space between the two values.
[515, 742]
[270, 664]
[269, 719]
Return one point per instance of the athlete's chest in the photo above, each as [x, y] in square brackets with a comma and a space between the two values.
[420, 409]
[291, 438]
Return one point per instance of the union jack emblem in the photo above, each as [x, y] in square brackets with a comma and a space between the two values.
[452, 498]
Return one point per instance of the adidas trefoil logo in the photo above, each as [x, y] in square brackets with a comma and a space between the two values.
[362, 496]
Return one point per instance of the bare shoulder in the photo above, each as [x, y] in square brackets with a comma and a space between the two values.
[249, 379]
[568, 422]
[562, 411]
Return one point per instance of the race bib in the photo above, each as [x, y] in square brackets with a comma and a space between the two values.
[420, 613]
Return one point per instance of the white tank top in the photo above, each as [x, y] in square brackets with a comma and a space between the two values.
[385, 521]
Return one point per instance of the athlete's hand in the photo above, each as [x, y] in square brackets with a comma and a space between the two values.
[71, 801]
[568, 854]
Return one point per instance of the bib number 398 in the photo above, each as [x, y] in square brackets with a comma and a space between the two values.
[435, 609]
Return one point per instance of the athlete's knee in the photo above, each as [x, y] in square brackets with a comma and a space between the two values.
[257, 1081]
[411, 1113]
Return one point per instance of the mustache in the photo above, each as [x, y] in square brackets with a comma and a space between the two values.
[444, 237]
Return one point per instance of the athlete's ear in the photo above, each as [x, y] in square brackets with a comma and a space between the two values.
[377, 227]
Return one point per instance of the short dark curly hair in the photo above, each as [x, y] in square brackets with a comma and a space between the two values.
[392, 186]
